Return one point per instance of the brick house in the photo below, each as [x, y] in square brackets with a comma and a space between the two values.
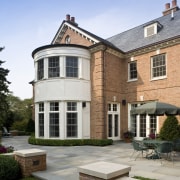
[85, 86]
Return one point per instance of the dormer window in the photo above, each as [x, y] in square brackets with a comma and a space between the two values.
[152, 29]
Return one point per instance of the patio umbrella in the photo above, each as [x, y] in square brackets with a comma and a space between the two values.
[156, 108]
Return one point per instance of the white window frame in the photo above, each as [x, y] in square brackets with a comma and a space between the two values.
[71, 111]
[40, 70]
[50, 124]
[72, 67]
[129, 72]
[159, 77]
[51, 74]
[41, 111]
[154, 26]
[137, 119]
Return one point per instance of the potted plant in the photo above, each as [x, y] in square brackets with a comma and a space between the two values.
[128, 136]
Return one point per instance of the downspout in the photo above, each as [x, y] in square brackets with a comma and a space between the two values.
[104, 94]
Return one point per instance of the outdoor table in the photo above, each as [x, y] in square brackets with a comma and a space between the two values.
[152, 144]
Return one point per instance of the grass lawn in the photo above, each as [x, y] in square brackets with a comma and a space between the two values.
[30, 178]
[142, 178]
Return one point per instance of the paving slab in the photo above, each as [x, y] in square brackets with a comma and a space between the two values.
[62, 162]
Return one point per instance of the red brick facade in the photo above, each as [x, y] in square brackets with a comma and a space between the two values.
[109, 78]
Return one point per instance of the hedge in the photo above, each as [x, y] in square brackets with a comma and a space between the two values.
[9, 168]
[69, 142]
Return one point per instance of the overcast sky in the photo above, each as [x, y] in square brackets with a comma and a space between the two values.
[28, 24]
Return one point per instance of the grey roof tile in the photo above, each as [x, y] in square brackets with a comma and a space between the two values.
[134, 38]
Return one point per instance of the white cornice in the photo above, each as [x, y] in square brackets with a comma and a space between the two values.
[77, 30]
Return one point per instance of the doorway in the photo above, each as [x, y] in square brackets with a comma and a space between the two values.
[113, 119]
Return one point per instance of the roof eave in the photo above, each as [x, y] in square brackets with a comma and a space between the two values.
[153, 44]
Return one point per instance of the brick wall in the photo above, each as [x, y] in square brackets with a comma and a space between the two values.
[166, 90]
[98, 124]
[76, 38]
[116, 84]
[31, 164]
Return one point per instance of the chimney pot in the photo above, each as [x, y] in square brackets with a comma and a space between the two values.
[73, 19]
[167, 6]
[174, 3]
[67, 17]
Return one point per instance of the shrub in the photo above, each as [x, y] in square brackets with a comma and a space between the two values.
[20, 125]
[9, 168]
[4, 149]
[170, 129]
[30, 126]
[69, 142]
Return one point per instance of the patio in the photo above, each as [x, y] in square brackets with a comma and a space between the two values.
[62, 162]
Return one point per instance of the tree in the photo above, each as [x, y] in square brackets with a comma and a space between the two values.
[3, 91]
[19, 114]
[170, 129]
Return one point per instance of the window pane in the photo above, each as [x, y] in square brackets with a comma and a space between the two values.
[40, 69]
[116, 125]
[110, 125]
[114, 107]
[41, 124]
[153, 124]
[54, 106]
[142, 125]
[71, 106]
[133, 70]
[53, 67]
[71, 124]
[71, 66]
[158, 66]
[134, 121]
[41, 107]
[54, 124]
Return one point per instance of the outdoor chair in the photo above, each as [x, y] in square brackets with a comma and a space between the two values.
[165, 149]
[5, 132]
[176, 146]
[139, 148]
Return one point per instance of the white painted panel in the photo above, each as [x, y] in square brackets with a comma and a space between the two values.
[86, 121]
[62, 89]
[58, 51]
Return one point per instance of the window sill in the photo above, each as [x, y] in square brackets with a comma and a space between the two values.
[159, 78]
[132, 80]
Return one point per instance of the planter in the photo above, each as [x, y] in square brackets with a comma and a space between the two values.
[14, 132]
[128, 140]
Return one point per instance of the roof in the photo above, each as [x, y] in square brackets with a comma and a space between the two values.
[55, 46]
[134, 38]
[95, 37]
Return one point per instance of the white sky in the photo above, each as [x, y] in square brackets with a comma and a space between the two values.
[28, 24]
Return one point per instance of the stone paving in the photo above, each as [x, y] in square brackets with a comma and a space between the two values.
[62, 162]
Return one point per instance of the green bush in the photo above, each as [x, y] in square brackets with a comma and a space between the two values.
[9, 168]
[30, 126]
[20, 125]
[170, 129]
[69, 142]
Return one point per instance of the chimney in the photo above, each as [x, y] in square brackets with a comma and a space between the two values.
[174, 3]
[73, 19]
[169, 9]
[67, 17]
[167, 6]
